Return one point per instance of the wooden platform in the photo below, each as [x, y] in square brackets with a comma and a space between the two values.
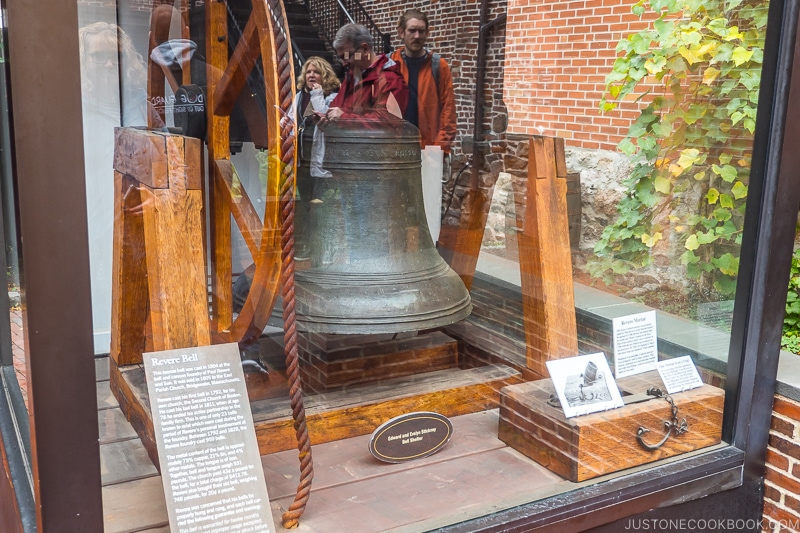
[339, 414]
[474, 474]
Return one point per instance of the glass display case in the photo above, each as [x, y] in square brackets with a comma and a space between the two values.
[452, 214]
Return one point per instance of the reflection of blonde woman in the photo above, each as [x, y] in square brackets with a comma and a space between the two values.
[317, 85]
[104, 48]
[112, 96]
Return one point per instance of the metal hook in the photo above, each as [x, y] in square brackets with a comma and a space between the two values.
[679, 427]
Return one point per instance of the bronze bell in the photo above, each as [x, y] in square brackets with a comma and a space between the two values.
[374, 267]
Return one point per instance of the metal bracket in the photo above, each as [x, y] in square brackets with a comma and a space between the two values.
[673, 427]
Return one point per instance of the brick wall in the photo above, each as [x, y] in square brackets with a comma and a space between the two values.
[782, 485]
[547, 64]
[454, 34]
[557, 56]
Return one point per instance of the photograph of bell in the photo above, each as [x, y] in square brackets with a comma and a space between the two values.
[373, 265]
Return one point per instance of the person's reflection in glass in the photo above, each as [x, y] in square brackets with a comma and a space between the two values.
[112, 97]
[317, 88]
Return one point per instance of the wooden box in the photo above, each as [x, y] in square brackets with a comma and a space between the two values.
[592, 445]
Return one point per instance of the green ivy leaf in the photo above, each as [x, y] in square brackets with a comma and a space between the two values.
[689, 258]
[750, 79]
[722, 214]
[725, 286]
[741, 55]
[662, 184]
[739, 190]
[706, 238]
[730, 5]
[726, 172]
[689, 157]
[692, 243]
[712, 196]
[726, 201]
[727, 264]
[655, 64]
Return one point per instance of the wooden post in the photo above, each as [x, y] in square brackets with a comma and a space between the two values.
[545, 262]
[460, 245]
[159, 289]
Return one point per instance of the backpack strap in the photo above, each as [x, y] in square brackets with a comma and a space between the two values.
[435, 68]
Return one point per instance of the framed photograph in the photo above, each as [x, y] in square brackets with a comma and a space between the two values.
[584, 384]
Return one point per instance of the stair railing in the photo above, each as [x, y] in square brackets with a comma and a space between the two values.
[330, 15]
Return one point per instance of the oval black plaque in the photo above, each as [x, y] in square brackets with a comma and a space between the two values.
[410, 436]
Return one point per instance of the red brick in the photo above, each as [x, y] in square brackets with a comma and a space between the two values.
[779, 515]
[786, 407]
[772, 493]
[784, 446]
[782, 426]
[792, 503]
[782, 480]
[780, 462]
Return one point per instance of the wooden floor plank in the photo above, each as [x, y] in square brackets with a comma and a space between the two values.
[420, 499]
[113, 426]
[134, 506]
[101, 368]
[105, 399]
[124, 461]
[349, 460]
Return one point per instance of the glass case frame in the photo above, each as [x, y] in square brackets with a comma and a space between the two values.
[52, 226]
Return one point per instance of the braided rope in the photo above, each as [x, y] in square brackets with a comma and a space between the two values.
[285, 81]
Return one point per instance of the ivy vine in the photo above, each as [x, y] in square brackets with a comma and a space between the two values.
[700, 63]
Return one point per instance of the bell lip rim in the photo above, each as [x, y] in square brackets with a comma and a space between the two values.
[394, 324]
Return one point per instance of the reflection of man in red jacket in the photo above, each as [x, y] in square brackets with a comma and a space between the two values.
[431, 101]
[373, 91]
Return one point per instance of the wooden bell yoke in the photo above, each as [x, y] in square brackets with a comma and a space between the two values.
[160, 285]
[141, 161]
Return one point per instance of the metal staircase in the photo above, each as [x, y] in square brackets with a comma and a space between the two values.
[313, 25]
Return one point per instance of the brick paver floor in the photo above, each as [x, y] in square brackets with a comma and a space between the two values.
[18, 351]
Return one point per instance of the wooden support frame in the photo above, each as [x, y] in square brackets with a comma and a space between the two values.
[545, 259]
[159, 285]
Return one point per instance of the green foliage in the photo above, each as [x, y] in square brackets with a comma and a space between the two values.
[791, 322]
[701, 60]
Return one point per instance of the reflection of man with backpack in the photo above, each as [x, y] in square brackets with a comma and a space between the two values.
[431, 102]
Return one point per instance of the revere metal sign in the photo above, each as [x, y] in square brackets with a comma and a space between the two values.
[410, 436]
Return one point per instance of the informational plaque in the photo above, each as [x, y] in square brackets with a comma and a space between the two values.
[410, 436]
[635, 344]
[584, 384]
[210, 464]
[679, 374]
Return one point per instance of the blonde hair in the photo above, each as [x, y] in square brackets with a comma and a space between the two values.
[134, 74]
[329, 80]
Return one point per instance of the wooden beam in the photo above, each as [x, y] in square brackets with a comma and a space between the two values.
[129, 307]
[159, 278]
[218, 148]
[235, 76]
[240, 205]
[545, 262]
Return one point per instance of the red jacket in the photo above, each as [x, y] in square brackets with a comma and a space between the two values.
[367, 102]
[437, 105]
